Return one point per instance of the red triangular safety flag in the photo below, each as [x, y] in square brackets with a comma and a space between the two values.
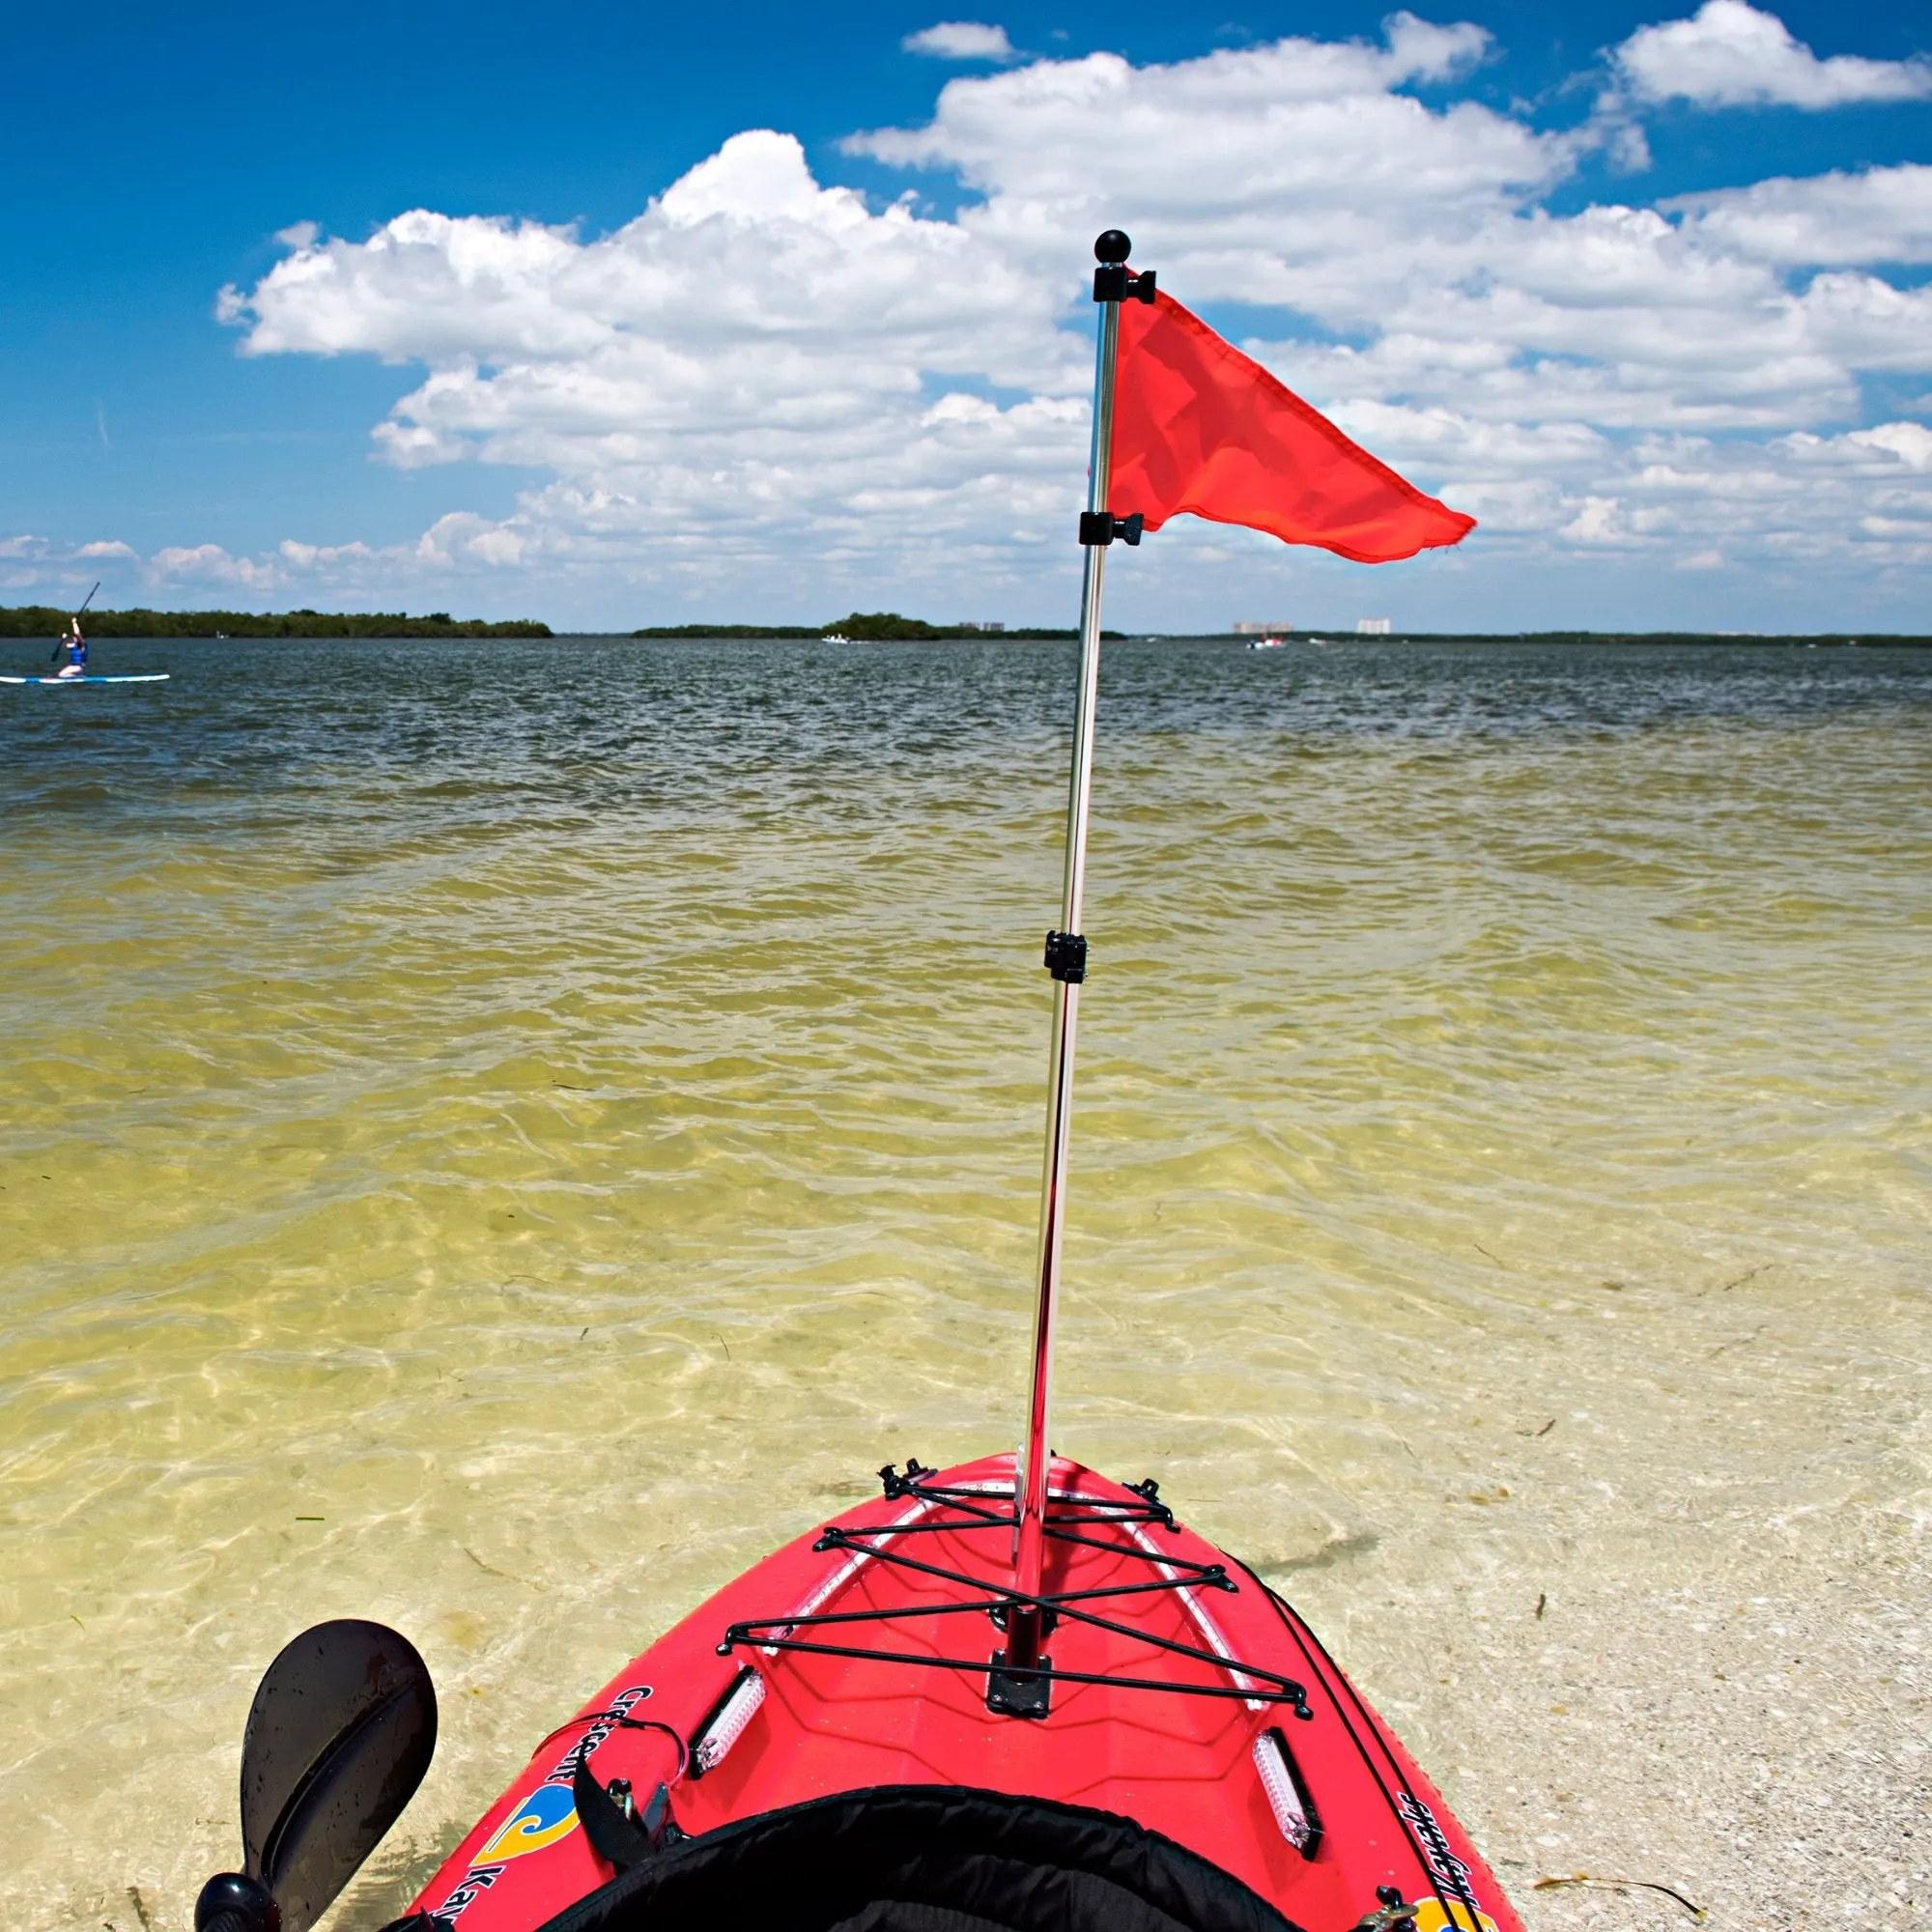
[1200, 427]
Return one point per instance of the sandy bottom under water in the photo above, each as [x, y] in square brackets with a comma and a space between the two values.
[502, 1167]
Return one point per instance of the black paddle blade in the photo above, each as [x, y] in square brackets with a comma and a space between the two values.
[342, 1728]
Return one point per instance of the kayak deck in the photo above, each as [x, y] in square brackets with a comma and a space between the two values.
[1181, 1695]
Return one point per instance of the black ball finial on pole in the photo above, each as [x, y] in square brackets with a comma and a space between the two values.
[1112, 247]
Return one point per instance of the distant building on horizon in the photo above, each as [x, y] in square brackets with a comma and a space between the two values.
[1248, 629]
[1373, 627]
[973, 624]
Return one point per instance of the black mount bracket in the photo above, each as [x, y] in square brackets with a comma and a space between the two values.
[1102, 526]
[1115, 281]
[1067, 956]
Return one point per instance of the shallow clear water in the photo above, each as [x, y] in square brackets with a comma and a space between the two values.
[496, 1136]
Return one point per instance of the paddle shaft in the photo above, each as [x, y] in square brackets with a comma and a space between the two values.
[1031, 1530]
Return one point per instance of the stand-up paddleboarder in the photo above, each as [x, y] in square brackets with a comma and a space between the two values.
[73, 642]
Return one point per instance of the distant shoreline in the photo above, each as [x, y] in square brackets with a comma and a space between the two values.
[1821, 638]
[41, 622]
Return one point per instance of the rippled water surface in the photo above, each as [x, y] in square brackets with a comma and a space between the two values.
[496, 1136]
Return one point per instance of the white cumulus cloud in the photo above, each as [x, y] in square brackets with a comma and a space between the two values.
[960, 40]
[1728, 54]
[1910, 442]
[209, 564]
[1884, 214]
[766, 379]
[62, 571]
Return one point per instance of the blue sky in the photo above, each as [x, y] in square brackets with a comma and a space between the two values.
[170, 152]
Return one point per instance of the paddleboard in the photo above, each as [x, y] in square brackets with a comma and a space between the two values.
[135, 677]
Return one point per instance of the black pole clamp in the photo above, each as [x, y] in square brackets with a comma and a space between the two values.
[1102, 526]
[1116, 282]
[1113, 280]
[1067, 956]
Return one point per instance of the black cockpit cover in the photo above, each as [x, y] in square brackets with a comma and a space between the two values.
[914, 1857]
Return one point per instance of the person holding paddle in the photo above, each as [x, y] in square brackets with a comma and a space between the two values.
[75, 644]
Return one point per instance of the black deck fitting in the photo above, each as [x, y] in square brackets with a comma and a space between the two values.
[1017, 1694]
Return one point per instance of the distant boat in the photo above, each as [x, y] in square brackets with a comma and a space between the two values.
[1266, 644]
[835, 637]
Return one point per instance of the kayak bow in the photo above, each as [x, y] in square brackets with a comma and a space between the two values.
[833, 1741]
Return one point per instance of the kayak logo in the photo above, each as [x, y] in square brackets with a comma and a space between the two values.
[549, 1813]
[1452, 1875]
[1432, 1915]
[475, 1881]
[602, 1723]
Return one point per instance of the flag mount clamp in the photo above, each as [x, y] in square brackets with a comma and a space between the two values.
[1113, 280]
[1102, 526]
[1116, 282]
[1067, 956]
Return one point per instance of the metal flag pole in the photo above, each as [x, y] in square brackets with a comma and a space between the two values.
[1067, 961]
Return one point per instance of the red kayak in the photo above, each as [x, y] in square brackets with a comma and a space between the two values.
[834, 1741]
[1016, 1695]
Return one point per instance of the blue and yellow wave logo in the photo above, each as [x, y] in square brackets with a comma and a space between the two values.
[549, 1813]
[1430, 1916]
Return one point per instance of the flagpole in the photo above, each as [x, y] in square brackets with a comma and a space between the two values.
[1066, 960]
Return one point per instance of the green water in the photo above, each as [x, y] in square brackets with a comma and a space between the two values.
[496, 1136]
